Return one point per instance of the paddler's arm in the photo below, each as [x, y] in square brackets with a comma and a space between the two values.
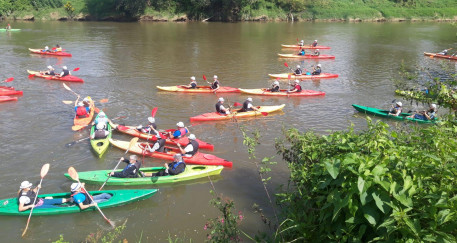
[76, 102]
[181, 149]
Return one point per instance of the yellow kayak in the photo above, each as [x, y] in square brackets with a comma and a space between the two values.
[215, 116]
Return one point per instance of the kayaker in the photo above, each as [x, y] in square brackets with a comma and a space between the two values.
[131, 170]
[26, 195]
[191, 148]
[192, 84]
[151, 128]
[159, 145]
[65, 72]
[81, 110]
[50, 71]
[301, 43]
[100, 132]
[274, 87]
[396, 110]
[297, 88]
[425, 115]
[298, 71]
[78, 196]
[176, 167]
[86, 101]
[302, 52]
[8, 27]
[215, 85]
[314, 43]
[180, 132]
[220, 107]
[101, 119]
[317, 69]
[443, 52]
[316, 52]
[247, 106]
[46, 49]
[57, 48]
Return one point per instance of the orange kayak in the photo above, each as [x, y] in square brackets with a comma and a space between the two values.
[80, 123]
[199, 89]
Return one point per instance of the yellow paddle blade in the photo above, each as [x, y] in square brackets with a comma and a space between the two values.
[77, 128]
[103, 100]
[67, 102]
[133, 142]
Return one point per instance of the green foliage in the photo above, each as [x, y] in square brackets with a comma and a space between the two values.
[116, 8]
[376, 185]
[70, 10]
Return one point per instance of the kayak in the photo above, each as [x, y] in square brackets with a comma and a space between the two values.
[68, 78]
[83, 122]
[50, 53]
[191, 172]
[119, 197]
[10, 92]
[301, 77]
[7, 98]
[385, 113]
[440, 56]
[306, 47]
[199, 89]
[198, 159]
[6, 30]
[215, 116]
[6, 87]
[100, 145]
[182, 141]
[283, 92]
[306, 56]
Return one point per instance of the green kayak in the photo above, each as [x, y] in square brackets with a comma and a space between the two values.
[120, 197]
[6, 30]
[191, 172]
[385, 113]
[100, 145]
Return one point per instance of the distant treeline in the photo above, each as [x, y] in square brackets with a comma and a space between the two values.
[240, 10]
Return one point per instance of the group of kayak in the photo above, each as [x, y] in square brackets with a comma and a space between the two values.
[443, 54]
[302, 53]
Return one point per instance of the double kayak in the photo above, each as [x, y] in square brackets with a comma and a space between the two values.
[100, 145]
[282, 92]
[7, 98]
[80, 123]
[50, 53]
[119, 197]
[198, 159]
[385, 113]
[191, 172]
[440, 56]
[305, 47]
[68, 78]
[6, 30]
[215, 116]
[306, 56]
[302, 77]
[199, 89]
[174, 141]
[4, 91]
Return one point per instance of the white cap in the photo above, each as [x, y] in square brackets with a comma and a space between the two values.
[433, 106]
[298, 66]
[64, 67]
[317, 49]
[100, 126]
[101, 114]
[80, 103]
[399, 103]
[26, 184]
[192, 137]
[276, 82]
[133, 157]
[297, 81]
[180, 124]
[192, 78]
[75, 186]
[249, 99]
[151, 119]
[319, 65]
[302, 41]
[215, 76]
[315, 40]
[49, 67]
[46, 47]
[86, 99]
[221, 99]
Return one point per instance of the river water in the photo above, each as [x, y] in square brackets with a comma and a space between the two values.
[125, 61]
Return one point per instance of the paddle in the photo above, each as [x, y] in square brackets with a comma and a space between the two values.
[132, 142]
[204, 78]
[287, 65]
[44, 171]
[7, 80]
[68, 88]
[69, 102]
[288, 78]
[76, 69]
[74, 175]
[82, 139]
[153, 113]
[239, 104]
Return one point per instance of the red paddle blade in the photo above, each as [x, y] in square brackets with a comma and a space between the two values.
[204, 77]
[76, 69]
[278, 79]
[31, 75]
[154, 111]
[9, 80]
[264, 113]
[103, 100]
[285, 64]
[237, 104]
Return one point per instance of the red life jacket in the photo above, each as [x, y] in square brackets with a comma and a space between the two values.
[81, 112]
[183, 131]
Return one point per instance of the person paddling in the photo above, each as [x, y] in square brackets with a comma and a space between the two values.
[81, 110]
[298, 71]
[8, 27]
[151, 128]
[247, 106]
[102, 120]
[443, 52]
[216, 84]
[65, 72]
[50, 71]
[425, 115]
[191, 148]
[301, 52]
[396, 110]
[159, 145]
[46, 49]
[220, 107]
[26, 196]
[131, 170]
[100, 132]
[317, 70]
[274, 87]
[192, 84]
[180, 132]
[316, 52]
[176, 167]
[80, 198]
[301, 43]
[296, 88]
[57, 48]
[314, 43]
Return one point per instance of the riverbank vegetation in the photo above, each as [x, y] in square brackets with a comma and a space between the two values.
[232, 10]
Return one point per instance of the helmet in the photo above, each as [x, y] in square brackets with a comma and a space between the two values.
[80, 103]
[133, 157]
[298, 66]
[100, 126]
[177, 156]
[180, 124]
[101, 114]
[315, 40]
[151, 119]
[302, 41]
[249, 99]
[276, 82]
[46, 47]
[25, 184]
[75, 186]
[399, 103]
[433, 106]
[319, 65]
[297, 81]
[192, 137]
[86, 99]
[49, 67]
[215, 76]
[192, 78]
[317, 49]
[221, 99]
[64, 67]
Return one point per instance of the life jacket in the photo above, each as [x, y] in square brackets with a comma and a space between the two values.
[317, 71]
[65, 73]
[86, 201]
[177, 164]
[30, 194]
[183, 131]
[218, 107]
[314, 44]
[298, 71]
[81, 112]
[99, 134]
[215, 84]
[275, 88]
[245, 106]
[194, 146]
[52, 73]
[161, 142]
[298, 88]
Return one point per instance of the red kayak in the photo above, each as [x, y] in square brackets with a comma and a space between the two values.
[198, 159]
[306, 56]
[10, 92]
[50, 53]
[7, 98]
[6, 87]
[69, 78]
[306, 47]
[182, 141]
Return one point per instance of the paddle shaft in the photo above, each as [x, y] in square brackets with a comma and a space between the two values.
[31, 210]
[96, 205]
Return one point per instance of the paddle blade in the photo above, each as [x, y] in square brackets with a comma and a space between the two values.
[67, 102]
[278, 78]
[154, 111]
[77, 128]
[204, 77]
[264, 113]
[44, 170]
[103, 100]
[133, 142]
[285, 64]
[8, 80]
[31, 75]
[66, 87]
[289, 76]
[73, 173]
[76, 69]
[96, 110]
[237, 104]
